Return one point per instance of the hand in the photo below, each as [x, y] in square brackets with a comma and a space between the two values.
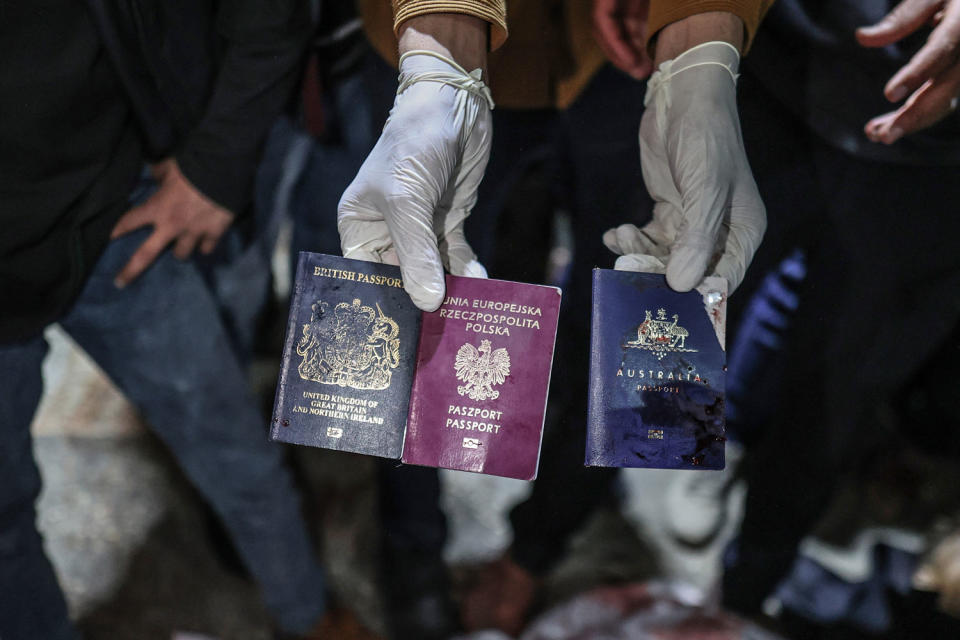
[932, 77]
[941, 572]
[178, 213]
[620, 28]
[410, 198]
[708, 217]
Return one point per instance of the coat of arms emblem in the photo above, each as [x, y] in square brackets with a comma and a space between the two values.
[353, 346]
[480, 369]
[660, 335]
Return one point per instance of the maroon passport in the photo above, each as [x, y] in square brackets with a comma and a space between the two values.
[481, 378]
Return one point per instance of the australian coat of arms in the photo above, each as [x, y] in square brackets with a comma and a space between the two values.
[660, 336]
[480, 369]
[352, 346]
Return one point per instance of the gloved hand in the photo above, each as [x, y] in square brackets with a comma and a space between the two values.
[708, 217]
[410, 198]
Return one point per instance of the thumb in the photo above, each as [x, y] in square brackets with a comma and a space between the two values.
[906, 17]
[688, 261]
[416, 245]
[459, 257]
[696, 240]
[457, 254]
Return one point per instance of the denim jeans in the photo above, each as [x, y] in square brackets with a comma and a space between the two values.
[162, 341]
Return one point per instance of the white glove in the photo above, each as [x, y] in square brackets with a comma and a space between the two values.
[708, 217]
[410, 198]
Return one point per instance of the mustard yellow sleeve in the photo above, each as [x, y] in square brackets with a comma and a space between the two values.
[663, 12]
[493, 11]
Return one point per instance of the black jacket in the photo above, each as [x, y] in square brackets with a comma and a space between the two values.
[89, 92]
[206, 79]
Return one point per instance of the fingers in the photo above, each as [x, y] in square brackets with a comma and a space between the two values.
[142, 258]
[705, 209]
[635, 26]
[639, 262]
[747, 226]
[132, 220]
[627, 238]
[906, 17]
[937, 55]
[365, 241]
[618, 40]
[407, 241]
[420, 263]
[208, 245]
[458, 257]
[185, 245]
[688, 260]
[934, 101]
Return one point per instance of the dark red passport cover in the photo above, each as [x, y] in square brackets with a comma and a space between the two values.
[481, 378]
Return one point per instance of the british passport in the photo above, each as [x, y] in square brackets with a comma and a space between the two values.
[657, 369]
[481, 378]
[348, 357]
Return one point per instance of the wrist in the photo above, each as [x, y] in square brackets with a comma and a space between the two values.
[697, 29]
[459, 37]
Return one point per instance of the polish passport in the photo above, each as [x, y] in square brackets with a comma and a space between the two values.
[657, 370]
[481, 378]
[463, 387]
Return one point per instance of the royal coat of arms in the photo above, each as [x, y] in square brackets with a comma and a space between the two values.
[353, 346]
[480, 369]
[661, 336]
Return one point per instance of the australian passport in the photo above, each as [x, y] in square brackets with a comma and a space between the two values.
[481, 378]
[657, 370]
[348, 357]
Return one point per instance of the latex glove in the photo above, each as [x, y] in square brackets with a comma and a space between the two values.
[409, 200]
[941, 572]
[708, 217]
[931, 80]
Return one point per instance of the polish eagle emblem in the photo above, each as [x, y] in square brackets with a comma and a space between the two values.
[481, 369]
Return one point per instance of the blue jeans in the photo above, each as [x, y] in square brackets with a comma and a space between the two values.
[161, 340]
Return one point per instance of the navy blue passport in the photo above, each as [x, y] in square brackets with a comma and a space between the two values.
[657, 369]
[348, 358]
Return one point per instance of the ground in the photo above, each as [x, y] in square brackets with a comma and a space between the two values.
[141, 558]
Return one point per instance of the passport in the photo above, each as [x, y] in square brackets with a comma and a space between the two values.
[481, 378]
[657, 369]
[365, 371]
[348, 357]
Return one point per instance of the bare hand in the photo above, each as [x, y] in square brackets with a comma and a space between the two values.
[941, 572]
[179, 213]
[620, 28]
[932, 77]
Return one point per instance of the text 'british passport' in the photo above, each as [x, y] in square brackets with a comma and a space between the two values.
[481, 378]
[463, 387]
[348, 357]
[657, 369]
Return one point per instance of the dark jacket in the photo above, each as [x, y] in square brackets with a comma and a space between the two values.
[89, 92]
[206, 79]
